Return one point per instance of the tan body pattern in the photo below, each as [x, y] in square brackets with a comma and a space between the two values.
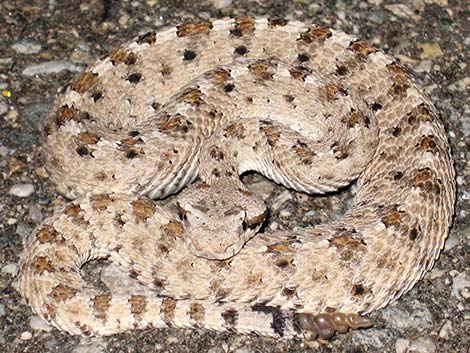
[309, 107]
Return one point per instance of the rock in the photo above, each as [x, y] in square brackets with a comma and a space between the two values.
[420, 345]
[10, 269]
[446, 330]
[3, 106]
[22, 190]
[408, 315]
[91, 345]
[38, 324]
[461, 286]
[401, 345]
[460, 85]
[26, 336]
[430, 51]
[424, 66]
[401, 10]
[221, 4]
[2, 310]
[51, 67]
[26, 46]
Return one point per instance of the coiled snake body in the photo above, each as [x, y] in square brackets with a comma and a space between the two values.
[311, 108]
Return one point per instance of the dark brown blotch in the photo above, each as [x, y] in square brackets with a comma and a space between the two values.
[425, 180]
[270, 132]
[197, 313]
[277, 22]
[101, 304]
[41, 264]
[168, 311]
[147, 38]
[235, 130]
[243, 26]
[260, 71]
[63, 292]
[299, 72]
[143, 209]
[306, 155]
[221, 76]
[361, 48]
[121, 55]
[192, 96]
[420, 114]
[427, 144]
[48, 234]
[88, 138]
[65, 113]
[356, 118]
[84, 82]
[216, 153]
[176, 124]
[314, 34]
[230, 317]
[191, 29]
[101, 201]
[138, 304]
[401, 79]
[333, 92]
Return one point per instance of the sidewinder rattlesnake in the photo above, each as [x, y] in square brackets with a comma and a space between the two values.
[310, 107]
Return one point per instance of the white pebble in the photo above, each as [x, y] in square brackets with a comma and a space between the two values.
[10, 269]
[221, 4]
[26, 336]
[22, 190]
[51, 67]
[26, 47]
[38, 324]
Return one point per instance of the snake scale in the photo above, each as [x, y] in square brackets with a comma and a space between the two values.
[309, 107]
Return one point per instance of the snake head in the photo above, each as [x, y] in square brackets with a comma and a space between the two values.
[217, 225]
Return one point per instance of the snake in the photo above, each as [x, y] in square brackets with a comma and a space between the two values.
[185, 111]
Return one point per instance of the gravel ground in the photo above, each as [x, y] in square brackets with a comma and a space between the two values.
[44, 43]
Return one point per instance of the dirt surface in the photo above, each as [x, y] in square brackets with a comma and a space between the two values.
[431, 36]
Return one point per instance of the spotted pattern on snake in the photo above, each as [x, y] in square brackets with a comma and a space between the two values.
[310, 107]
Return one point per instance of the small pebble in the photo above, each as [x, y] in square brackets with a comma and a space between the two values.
[22, 190]
[38, 324]
[430, 51]
[10, 269]
[26, 47]
[460, 285]
[401, 345]
[446, 330]
[26, 336]
[2, 310]
[51, 67]
[3, 106]
[221, 4]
